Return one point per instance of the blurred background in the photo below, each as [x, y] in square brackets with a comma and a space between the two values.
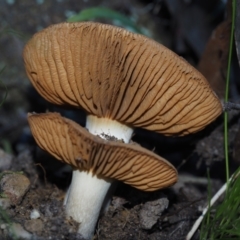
[197, 30]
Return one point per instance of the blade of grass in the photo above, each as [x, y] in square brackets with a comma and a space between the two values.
[209, 194]
[227, 89]
[6, 92]
[226, 221]
[11, 31]
[199, 220]
[6, 145]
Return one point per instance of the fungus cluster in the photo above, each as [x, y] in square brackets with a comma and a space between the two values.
[122, 80]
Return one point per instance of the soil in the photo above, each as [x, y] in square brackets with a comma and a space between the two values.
[37, 212]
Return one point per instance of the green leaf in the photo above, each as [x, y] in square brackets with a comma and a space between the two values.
[106, 13]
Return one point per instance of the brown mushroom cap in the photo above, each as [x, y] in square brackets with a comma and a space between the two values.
[130, 163]
[116, 74]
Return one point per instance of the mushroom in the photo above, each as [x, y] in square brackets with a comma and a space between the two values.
[122, 80]
[100, 161]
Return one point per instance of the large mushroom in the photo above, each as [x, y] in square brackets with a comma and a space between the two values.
[122, 80]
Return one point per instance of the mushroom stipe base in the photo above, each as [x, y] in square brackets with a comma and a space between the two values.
[85, 199]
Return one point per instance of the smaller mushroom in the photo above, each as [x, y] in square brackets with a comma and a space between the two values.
[100, 163]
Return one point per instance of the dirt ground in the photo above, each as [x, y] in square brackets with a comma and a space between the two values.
[33, 184]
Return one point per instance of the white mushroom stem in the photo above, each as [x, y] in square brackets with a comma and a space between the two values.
[87, 192]
[86, 195]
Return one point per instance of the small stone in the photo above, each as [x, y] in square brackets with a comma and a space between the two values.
[34, 226]
[3, 226]
[5, 160]
[13, 186]
[19, 232]
[118, 202]
[34, 214]
[151, 211]
[5, 203]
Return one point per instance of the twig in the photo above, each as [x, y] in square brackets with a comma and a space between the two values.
[44, 172]
[213, 200]
[228, 106]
